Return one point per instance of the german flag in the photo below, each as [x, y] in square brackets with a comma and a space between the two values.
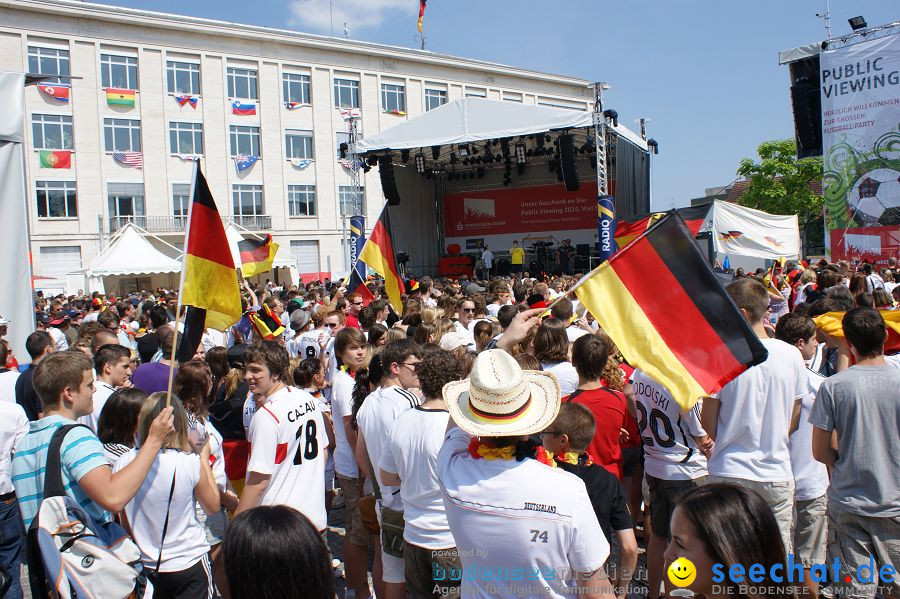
[628, 230]
[664, 308]
[421, 13]
[209, 279]
[378, 254]
[832, 324]
[265, 323]
[257, 256]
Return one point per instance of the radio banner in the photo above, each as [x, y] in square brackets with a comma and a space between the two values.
[861, 143]
[606, 227]
[357, 241]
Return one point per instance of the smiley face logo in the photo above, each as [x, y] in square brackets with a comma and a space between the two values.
[682, 572]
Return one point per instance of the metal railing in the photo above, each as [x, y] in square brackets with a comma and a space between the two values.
[178, 224]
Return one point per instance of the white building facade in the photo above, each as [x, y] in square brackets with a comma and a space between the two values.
[295, 83]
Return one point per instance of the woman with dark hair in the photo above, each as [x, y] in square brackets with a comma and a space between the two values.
[366, 380]
[729, 525]
[278, 539]
[551, 347]
[424, 333]
[882, 299]
[483, 332]
[858, 284]
[377, 335]
[217, 360]
[118, 422]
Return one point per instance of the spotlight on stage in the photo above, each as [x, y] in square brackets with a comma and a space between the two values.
[653, 145]
[857, 23]
[420, 163]
[435, 152]
[612, 114]
[520, 153]
[463, 149]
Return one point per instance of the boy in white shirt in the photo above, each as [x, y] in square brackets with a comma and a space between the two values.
[287, 439]
[752, 416]
[112, 363]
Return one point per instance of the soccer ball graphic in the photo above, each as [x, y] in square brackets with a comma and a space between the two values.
[876, 198]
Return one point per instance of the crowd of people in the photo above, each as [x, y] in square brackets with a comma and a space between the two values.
[488, 439]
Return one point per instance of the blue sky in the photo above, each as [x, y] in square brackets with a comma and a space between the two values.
[705, 72]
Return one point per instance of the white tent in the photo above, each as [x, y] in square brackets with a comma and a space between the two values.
[475, 119]
[129, 254]
[283, 257]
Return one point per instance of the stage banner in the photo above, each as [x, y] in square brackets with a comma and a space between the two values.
[357, 241]
[520, 210]
[861, 142]
[742, 231]
[606, 227]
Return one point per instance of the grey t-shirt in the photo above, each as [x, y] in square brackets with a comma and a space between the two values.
[862, 404]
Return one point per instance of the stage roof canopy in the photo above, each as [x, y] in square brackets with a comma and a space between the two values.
[130, 253]
[476, 119]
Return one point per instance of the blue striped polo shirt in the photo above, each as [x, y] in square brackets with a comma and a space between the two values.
[81, 452]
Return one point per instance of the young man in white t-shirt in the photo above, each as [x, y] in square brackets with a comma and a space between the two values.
[810, 477]
[400, 360]
[112, 363]
[287, 439]
[675, 452]
[751, 417]
[410, 458]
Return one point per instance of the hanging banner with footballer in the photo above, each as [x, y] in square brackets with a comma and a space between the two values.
[860, 90]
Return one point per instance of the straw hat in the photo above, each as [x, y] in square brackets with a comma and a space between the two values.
[502, 400]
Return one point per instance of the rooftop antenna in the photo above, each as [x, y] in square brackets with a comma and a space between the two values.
[346, 30]
[827, 17]
[331, 15]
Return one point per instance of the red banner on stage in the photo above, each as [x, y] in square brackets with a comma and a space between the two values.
[874, 244]
[520, 210]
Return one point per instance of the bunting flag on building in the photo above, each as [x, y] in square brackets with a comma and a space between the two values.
[421, 13]
[378, 254]
[832, 324]
[58, 91]
[348, 164]
[243, 109]
[56, 159]
[135, 159]
[187, 157]
[182, 100]
[300, 163]
[293, 105]
[396, 112]
[257, 255]
[209, 278]
[116, 96]
[635, 294]
[350, 113]
[242, 163]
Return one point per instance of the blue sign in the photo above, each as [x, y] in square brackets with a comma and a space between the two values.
[606, 227]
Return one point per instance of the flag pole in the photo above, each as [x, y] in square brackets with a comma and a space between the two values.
[179, 305]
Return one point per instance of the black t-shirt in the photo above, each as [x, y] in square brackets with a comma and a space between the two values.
[606, 495]
[25, 395]
[147, 346]
[228, 415]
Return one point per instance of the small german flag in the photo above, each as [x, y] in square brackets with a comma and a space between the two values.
[257, 256]
[209, 280]
[378, 254]
[421, 13]
[265, 323]
[662, 305]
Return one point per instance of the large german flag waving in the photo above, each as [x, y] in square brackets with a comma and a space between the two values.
[378, 254]
[257, 256]
[662, 305]
[209, 279]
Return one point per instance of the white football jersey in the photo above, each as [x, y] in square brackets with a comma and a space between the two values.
[288, 442]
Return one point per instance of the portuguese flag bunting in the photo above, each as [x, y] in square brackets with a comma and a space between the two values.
[119, 97]
[56, 159]
[662, 305]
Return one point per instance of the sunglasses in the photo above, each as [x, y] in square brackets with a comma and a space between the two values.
[332, 325]
[414, 366]
[468, 310]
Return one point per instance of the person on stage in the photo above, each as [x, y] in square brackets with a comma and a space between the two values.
[517, 258]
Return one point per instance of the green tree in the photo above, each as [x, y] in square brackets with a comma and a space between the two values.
[781, 184]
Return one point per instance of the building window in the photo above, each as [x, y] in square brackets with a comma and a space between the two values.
[119, 71]
[126, 204]
[342, 138]
[301, 200]
[186, 138]
[350, 202]
[183, 77]
[298, 144]
[247, 200]
[181, 201]
[346, 93]
[295, 88]
[49, 61]
[512, 97]
[244, 141]
[474, 92]
[56, 199]
[242, 83]
[435, 98]
[393, 97]
[122, 135]
[52, 131]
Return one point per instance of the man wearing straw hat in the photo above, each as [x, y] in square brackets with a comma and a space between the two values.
[522, 526]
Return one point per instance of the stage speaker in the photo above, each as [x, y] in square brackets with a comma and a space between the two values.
[503, 267]
[583, 249]
[388, 183]
[567, 162]
[807, 104]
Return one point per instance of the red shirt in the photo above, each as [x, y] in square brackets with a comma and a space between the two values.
[352, 321]
[609, 409]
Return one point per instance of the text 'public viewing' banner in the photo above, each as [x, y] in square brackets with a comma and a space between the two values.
[861, 153]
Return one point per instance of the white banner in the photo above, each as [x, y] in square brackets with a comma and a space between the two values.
[741, 231]
[861, 137]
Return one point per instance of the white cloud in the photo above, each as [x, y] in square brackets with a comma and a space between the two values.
[318, 15]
